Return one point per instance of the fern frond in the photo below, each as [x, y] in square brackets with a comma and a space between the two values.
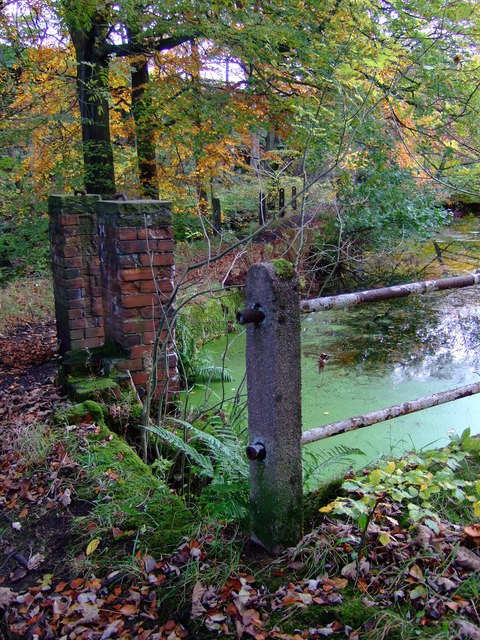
[339, 454]
[203, 462]
[209, 372]
[206, 369]
[315, 463]
[226, 455]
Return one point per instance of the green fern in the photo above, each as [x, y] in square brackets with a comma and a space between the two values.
[315, 464]
[224, 449]
[194, 365]
[207, 371]
[215, 450]
[203, 462]
[227, 501]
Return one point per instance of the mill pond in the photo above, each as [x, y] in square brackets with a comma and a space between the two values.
[385, 354]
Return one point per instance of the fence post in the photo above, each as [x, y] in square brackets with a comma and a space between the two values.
[274, 407]
[281, 202]
[217, 216]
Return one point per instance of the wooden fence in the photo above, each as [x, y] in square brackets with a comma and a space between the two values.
[273, 355]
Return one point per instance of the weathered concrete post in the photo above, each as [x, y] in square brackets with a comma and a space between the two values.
[274, 406]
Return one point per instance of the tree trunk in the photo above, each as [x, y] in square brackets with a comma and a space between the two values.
[92, 90]
[147, 165]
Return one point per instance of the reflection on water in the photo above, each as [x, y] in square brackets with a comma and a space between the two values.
[391, 353]
[384, 354]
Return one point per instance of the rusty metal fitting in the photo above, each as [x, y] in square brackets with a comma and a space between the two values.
[256, 451]
[254, 315]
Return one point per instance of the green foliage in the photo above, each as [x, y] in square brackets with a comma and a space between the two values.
[413, 481]
[186, 224]
[468, 443]
[317, 464]
[196, 366]
[383, 199]
[24, 247]
[204, 318]
[283, 268]
[128, 495]
[213, 446]
[239, 201]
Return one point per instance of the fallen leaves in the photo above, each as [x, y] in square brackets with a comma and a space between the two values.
[92, 546]
[472, 534]
[467, 559]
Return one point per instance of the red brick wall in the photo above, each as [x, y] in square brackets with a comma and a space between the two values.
[113, 270]
[137, 264]
[76, 271]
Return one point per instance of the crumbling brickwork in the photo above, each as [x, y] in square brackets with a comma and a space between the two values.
[113, 270]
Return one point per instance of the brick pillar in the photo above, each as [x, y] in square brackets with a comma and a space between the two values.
[76, 271]
[137, 265]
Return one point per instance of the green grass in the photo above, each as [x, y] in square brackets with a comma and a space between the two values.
[26, 300]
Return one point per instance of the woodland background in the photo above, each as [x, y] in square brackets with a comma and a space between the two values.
[368, 107]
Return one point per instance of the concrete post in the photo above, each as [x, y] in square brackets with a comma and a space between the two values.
[274, 408]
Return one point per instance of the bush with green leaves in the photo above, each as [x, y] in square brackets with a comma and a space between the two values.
[24, 247]
[186, 224]
[413, 482]
[383, 198]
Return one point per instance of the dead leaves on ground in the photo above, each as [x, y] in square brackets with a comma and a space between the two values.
[421, 569]
[27, 346]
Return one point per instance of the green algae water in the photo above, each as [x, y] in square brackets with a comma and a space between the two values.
[380, 355]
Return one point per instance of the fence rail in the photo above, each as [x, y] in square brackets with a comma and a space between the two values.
[382, 415]
[345, 300]
[273, 356]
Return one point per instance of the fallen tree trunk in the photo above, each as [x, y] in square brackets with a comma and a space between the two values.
[345, 300]
[349, 424]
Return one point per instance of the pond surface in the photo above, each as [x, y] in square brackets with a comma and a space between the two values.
[383, 354]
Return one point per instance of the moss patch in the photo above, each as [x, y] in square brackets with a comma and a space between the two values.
[283, 268]
[125, 495]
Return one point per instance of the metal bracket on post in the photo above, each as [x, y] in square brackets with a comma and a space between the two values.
[274, 407]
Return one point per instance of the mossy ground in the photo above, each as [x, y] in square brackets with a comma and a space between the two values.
[128, 502]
